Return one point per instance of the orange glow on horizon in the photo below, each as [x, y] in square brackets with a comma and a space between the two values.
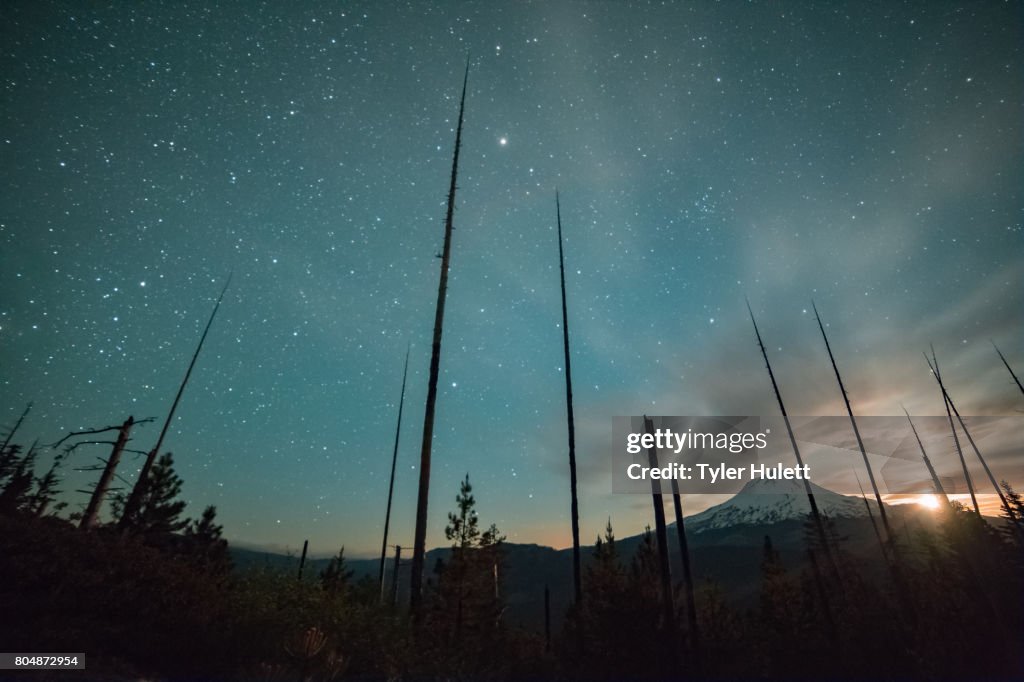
[988, 503]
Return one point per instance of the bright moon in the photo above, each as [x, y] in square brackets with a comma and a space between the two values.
[503, 141]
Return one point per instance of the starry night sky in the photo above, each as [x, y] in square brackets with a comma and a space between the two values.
[867, 155]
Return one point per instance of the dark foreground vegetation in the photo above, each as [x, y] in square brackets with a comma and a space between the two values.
[161, 601]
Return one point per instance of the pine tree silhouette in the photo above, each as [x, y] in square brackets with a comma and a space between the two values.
[159, 510]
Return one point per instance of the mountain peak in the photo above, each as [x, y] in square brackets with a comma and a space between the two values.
[763, 501]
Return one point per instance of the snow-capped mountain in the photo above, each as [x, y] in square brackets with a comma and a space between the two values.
[766, 501]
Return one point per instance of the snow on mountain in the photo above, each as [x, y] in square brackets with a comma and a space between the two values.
[767, 501]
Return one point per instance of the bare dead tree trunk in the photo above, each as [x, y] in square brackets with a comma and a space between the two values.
[819, 524]
[684, 555]
[394, 578]
[302, 560]
[936, 483]
[984, 464]
[856, 432]
[908, 610]
[135, 498]
[952, 428]
[100, 492]
[982, 595]
[1008, 368]
[661, 533]
[570, 420]
[420, 538]
[391, 484]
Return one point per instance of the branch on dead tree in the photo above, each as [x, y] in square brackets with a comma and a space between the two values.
[90, 432]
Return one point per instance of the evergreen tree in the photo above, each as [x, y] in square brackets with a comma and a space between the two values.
[643, 570]
[8, 461]
[607, 602]
[336, 577]
[605, 576]
[1013, 511]
[207, 544]
[206, 529]
[462, 527]
[46, 491]
[614, 596]
[468, 604]
[16, 494]
[159, 510]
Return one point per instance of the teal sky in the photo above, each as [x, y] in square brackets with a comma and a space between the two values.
[867, 155]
